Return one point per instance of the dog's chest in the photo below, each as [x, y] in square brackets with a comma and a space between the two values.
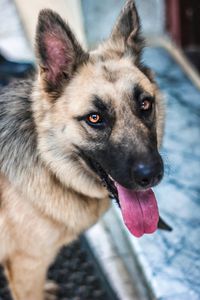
[26, 226]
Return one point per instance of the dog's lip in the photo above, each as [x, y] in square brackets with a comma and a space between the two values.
[106, 179]
[99, 173]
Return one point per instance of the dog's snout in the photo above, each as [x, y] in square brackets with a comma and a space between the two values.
[148, 174]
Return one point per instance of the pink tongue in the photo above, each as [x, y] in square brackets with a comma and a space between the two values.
[139, 210]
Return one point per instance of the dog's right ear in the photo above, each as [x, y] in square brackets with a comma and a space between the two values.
[126, 34]
[58, 52]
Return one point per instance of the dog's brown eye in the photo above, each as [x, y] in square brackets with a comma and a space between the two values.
[146, 105]
[94, 118]
[96, 121]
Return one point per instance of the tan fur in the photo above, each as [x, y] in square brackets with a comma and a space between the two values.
[32, 232]
[58, 196]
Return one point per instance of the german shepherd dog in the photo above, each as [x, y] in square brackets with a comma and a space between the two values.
[87, 126]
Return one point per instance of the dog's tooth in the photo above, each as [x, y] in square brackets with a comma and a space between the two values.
[110, 177]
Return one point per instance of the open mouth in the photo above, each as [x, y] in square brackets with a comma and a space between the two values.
[139, 208]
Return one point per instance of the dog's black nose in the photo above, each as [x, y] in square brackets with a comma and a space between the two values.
[148, 174]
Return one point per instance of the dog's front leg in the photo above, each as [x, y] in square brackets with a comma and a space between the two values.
[26, 276]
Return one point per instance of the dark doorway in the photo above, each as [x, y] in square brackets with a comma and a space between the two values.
[183, 24]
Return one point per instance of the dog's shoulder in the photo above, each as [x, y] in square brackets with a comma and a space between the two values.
[17, 91]
[16, 106]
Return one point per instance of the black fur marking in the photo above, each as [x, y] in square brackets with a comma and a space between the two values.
[137, 92]
[147, 72]
[139, 95]
[105, 179]
[100, 105]
[107, 182]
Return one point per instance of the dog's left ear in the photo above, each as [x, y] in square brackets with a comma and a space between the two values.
[126, 32]
[58, 52]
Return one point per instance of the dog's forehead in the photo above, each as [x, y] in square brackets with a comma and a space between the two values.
[117, 76]
[111, 80]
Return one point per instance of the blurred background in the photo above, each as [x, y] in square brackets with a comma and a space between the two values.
[107, 262]
[176, 19]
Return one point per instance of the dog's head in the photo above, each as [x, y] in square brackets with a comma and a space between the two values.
[99, 114]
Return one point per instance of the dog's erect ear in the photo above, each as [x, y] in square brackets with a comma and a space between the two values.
[126, 32]
[58, 52]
